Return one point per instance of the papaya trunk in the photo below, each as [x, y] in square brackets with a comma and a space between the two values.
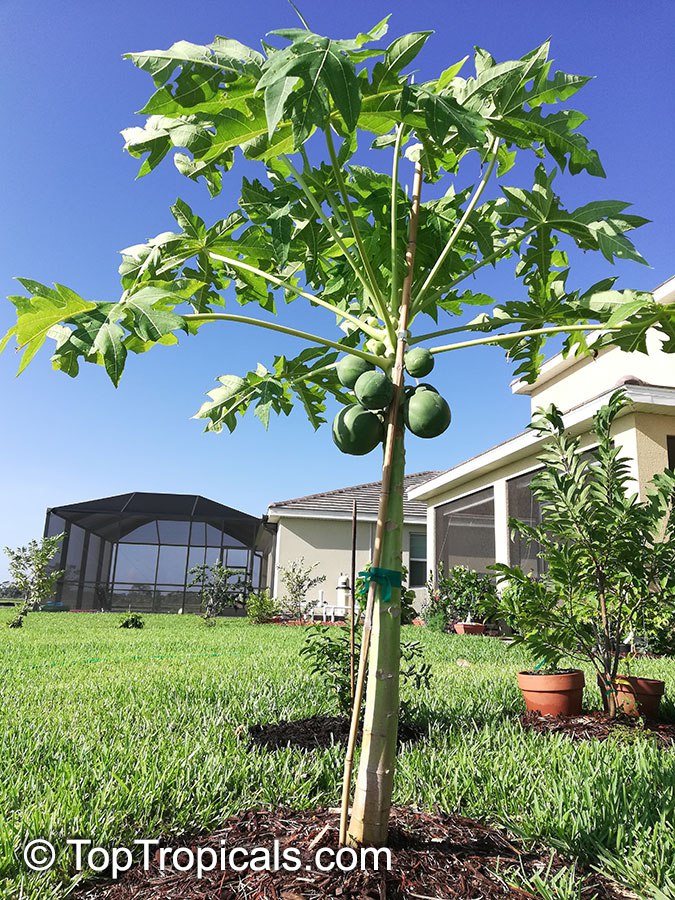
[374, 785]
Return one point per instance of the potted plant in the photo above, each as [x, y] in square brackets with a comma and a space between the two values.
[455, 597]
[609, 561]
[531, 608]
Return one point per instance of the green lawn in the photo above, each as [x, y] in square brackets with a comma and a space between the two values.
[115, 735]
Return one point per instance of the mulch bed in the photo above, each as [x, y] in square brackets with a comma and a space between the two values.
[598, 726]
[314, 733]
[434, 857]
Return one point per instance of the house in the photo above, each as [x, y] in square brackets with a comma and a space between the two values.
[318, 527]
[468, 507]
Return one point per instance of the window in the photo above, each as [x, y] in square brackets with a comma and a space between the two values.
[172, 531]
[671, 451]
[143, 534]
[136, 563]
[417, 570]
[172, 565]
[465, 531]
[523, 505]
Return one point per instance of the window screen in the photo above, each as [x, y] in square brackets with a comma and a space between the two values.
[465, 531]
[671, 451]
[417, 574]
[523, 505]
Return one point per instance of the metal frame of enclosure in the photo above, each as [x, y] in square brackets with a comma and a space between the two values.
[135, 551]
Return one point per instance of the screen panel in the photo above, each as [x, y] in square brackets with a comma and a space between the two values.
[465, 531]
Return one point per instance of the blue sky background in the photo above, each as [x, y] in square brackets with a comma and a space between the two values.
[70, 203]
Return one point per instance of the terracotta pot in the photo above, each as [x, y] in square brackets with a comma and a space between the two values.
[635, 696]
[553, 695]
[469, 627]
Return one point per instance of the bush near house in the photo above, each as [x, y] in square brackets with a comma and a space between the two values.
[298, 581]
[610, 557]
[261, 607]
[455, 595]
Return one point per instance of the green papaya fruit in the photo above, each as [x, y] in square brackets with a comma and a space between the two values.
[374, 390]
[426, 413]
[356, 430]
[350, 368]
[418, 362]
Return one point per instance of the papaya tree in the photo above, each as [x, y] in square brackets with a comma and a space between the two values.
[336, 129]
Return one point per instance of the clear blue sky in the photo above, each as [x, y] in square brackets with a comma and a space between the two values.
[70, 202]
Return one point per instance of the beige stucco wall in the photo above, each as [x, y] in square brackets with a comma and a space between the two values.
[589, 377]
[328, 542]
[651, 436]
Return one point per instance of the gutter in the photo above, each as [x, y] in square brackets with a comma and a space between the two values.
[643, 398]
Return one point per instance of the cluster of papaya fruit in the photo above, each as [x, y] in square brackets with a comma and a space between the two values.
[359, 427]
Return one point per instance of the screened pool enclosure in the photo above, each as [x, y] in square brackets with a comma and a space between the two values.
[136, 551]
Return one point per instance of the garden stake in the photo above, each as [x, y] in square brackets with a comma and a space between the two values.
[392, 424]
[352, 621]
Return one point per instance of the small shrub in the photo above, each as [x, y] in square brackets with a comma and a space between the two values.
[436, 621]
[610, 556]
[32, 573]
[132, 620]
[220, 588]
[455, 595]
[298, 582]
[261, 608]
[327, 652]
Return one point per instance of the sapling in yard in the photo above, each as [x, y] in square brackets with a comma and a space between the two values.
[220, 588]
[327, 651]
[610, 557]
[33, 572]
[298, 582]
[371, 260]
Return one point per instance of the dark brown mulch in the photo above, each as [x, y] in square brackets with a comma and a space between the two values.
[314, 733]
[598, 726]
[433, 857]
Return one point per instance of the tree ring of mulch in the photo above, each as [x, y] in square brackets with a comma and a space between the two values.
[315, 733]
[598, 726]
[433, 857]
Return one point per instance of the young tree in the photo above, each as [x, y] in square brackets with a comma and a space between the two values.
[610, 557]
[30, 568]
[348, 240]
[220, 588]
[298, 582]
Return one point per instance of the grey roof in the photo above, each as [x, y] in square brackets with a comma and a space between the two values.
[339, 502]
[114, 517]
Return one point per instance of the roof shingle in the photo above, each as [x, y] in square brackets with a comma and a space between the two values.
[339, 502]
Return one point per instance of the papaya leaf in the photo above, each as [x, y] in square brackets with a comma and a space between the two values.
[109, 342]
[46, 307]
[151, 323]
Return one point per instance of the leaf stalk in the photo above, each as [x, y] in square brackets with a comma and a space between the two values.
[378, 361]
[480, 187]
